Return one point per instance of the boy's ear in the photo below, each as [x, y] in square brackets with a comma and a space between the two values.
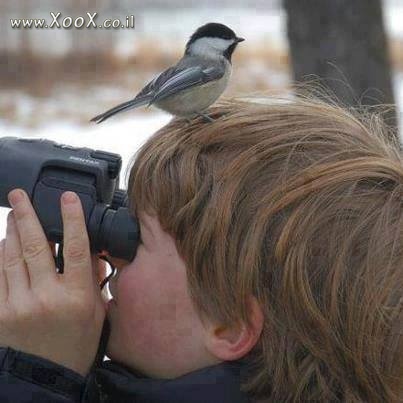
[233, 342]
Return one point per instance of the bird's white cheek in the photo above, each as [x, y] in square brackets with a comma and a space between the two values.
[210, 46]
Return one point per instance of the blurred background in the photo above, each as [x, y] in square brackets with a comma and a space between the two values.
[53, 81]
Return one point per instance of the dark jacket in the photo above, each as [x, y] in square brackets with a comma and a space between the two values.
[31, 379]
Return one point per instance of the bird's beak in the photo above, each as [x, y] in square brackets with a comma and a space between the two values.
[239, 40]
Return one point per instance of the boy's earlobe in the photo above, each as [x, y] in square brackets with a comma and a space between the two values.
[234, 342]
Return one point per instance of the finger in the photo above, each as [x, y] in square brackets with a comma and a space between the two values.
[3, 279]
[35, 248]
[76, 249]
[15, 269]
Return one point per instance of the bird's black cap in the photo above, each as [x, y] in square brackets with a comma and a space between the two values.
[212, 30]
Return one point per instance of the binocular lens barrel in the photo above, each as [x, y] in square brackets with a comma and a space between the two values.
[45, 169]
[118, 234]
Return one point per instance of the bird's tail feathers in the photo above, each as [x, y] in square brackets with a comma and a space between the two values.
[125, 106]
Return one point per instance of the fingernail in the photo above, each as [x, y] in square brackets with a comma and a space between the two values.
[15, 197]
[69, 197]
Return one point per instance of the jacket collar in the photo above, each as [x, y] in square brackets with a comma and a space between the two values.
[215, 384]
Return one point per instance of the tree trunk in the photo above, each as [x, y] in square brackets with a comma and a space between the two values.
[343, 43]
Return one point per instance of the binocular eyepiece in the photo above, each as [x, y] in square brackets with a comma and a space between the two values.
[46, 169]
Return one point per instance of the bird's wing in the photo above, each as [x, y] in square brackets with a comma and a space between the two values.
[187, 78]
[149, 89]
[179, 78]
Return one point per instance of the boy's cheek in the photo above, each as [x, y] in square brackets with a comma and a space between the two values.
[150, 310]
[151, 336]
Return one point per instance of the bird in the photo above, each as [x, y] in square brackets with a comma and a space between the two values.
[188, 88]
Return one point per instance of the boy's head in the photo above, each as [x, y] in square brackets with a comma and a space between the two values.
[274, 235]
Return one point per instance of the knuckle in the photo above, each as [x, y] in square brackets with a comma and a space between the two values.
[13, 261]
[33, 248]
[75, 250]
[42, 302]
[44, 306]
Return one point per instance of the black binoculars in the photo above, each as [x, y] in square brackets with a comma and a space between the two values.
[46, 169]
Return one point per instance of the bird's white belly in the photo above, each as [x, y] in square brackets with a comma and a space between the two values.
[194, 100]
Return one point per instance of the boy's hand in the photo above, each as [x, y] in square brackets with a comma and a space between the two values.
[55, 316]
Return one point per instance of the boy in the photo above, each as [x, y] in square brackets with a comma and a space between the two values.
[269, 268]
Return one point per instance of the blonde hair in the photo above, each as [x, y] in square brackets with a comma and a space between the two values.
[298, 203]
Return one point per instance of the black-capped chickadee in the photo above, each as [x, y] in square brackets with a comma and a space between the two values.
[195, 82]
